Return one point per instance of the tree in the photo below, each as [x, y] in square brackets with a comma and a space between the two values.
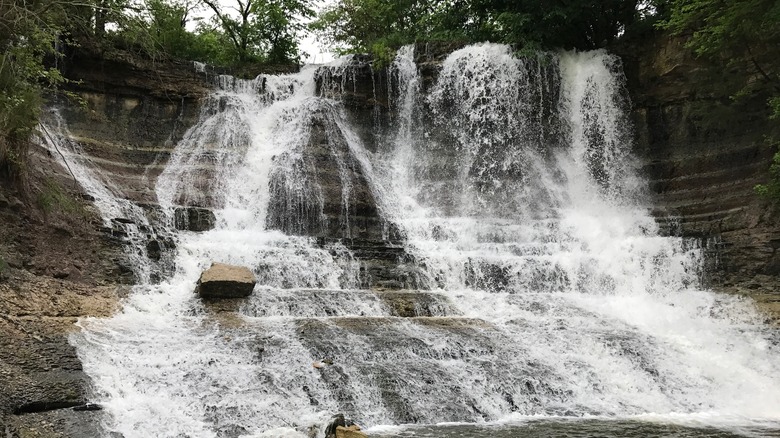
[108, 11]
[28, 32]
[361, 25]
[263, 29]
[740, 33]
[167, 26]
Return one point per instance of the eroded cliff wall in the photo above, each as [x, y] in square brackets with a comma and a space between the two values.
[703, 153]
[132, 113]
[58, 261]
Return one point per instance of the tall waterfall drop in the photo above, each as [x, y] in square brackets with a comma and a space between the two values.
[488, 257]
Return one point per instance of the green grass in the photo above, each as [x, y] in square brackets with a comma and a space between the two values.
[52, 197]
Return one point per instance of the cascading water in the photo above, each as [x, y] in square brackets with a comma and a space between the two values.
[540, 231]
[122, 217]
[551, 292]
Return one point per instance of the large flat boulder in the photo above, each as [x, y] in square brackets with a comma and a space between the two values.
[225, 281]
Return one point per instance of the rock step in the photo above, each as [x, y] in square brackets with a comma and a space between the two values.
[360, 325]
[717, 195]
[698, 180]
[385, 264]
[737, 159]
[323, 303]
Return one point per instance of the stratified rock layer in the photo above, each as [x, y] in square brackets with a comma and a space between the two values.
[704, 153]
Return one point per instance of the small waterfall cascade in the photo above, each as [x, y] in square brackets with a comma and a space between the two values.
[122, 218]
[547, 291]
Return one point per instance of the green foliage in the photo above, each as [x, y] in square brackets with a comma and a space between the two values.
[372, 25]
[743, 34]
[363, 25]
[263, 31]
[771, 189]
[774, 104]
[28, 32]
[722, 25]
[51, 197]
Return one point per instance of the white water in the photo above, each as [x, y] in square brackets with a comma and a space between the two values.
[583, 283]
[125, 219]
[522, 207]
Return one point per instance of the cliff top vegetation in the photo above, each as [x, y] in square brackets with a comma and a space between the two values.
[241, 32]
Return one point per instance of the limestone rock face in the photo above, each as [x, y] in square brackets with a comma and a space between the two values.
[225, 281]
[702, 169]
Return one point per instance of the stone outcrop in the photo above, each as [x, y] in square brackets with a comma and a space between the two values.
[135, 111]
[340, 427]
[226, 281]
[56, 266]
[327, 194]
[194, 219]
[703, 153]
[337, 421]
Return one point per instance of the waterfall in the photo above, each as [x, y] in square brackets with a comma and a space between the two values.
[547, 290]
[122, 218]
[541, 231]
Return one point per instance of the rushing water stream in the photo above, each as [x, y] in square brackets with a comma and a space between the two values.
[560, 310]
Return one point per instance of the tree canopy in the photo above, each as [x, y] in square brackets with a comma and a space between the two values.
[745, 32]
[263, 29]
[28, 32]
[253, 31]
[365, 25]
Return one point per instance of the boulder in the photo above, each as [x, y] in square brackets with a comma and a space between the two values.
[341, 427]
[349, 432]
[225, 281]
[193, 219]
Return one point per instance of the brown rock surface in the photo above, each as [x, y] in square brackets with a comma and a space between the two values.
[55, 272]
[349, 432]
[226, 281]
[56, 266]
[134, 112]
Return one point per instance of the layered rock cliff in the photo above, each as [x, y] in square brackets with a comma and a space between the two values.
[703, 154]
[58, 261]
